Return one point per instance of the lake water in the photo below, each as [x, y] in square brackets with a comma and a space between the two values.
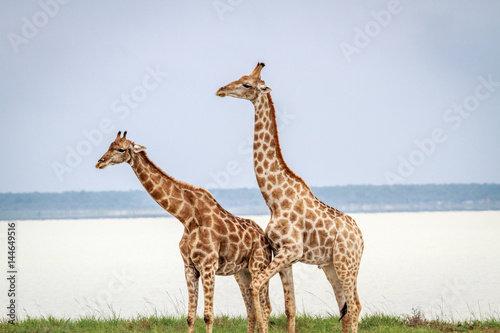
[446, 264]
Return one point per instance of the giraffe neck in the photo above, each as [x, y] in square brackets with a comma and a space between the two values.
[169, 193]
[271, 169]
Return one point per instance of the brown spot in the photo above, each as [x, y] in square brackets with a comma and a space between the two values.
[274, 166]
[267, 137]
[260, 156]
[293, 217]
[313, 239]
[274, 236]
[186, 210]
[189, 197]
[282, 226]
[277, 194]
[270, 154]
[308, 225]
[286, 204]
[320, 223]
[299, 207]
[157, 193]
[310, 215]
[175, 204]
[156, 178]
[271, 179]
[176, 192]
[309, 203]
[258, 126]
[280, 179]
[266, 164]
[143, 177]
[295, 233]
[149, 186]
[246, 238]
[322, 234]
[269, 186]
[259, 169]
[234, 238]
[345, 234]
[290, 193]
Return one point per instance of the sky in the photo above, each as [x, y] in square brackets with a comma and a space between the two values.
[379, 92]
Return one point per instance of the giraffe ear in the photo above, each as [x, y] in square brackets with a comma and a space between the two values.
[264, 88]
[138, 148]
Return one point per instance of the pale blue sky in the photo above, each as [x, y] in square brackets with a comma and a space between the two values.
[367, 93]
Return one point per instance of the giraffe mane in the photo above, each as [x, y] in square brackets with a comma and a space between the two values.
[278, 147]
[163, 173]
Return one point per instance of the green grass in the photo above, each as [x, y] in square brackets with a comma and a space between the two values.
[304, 323]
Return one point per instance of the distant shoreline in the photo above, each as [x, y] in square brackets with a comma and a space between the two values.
[349, 199]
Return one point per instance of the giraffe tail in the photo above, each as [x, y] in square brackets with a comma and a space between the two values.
[343, 312]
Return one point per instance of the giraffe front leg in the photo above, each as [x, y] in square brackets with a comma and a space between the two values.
[244, 278]
[192, 278]
[286, 275]
[282, 259]
[208, 281]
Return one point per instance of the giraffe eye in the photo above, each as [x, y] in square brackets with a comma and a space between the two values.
[121, 150]
[247, 86]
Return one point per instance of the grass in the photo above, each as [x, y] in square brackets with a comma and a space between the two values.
[415, 322]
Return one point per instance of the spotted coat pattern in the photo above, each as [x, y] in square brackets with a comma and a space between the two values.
[302, 228]
[214, 242]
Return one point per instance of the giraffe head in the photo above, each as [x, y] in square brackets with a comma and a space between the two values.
[247, 87]
[121, 150]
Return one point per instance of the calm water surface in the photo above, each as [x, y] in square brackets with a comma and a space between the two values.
[444, 263]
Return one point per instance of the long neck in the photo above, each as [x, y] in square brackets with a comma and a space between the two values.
[271, 169]
[167, 192]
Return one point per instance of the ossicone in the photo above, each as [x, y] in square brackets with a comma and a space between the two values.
[256, 71]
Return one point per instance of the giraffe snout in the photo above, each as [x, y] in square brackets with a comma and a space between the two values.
[100, 164]
[221, 92]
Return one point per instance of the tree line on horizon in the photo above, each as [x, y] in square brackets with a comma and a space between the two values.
[350, 198]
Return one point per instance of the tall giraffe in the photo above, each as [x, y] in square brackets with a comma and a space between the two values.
[302, 228]
[215, 242]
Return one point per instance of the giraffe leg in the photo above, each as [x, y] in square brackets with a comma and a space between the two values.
[265, 304]
[338, 290]
[192, 278]
[286, 275]
[259, 260]
[244, 278]
[355, 316]
[351, 307]
[283, 258]
[208, 281]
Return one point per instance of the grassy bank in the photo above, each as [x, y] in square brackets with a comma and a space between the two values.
[373, 323]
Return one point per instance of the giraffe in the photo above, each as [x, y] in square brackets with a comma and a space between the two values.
[214, 242]
[301, 228]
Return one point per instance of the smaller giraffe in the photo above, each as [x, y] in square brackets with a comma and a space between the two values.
[215, 242]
